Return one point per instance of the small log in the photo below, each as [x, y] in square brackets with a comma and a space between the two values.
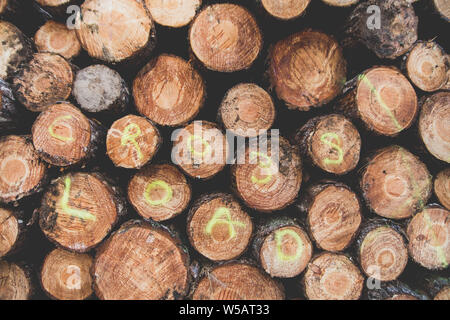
[115, 31]
[169, 91]
[16, 49]
[247, 110]
[382, 251]
[442, 187]
[225, 37]
[268, 180]
[63, 136]
[22, 173]
[66, 275]
[395, 183]
[132, 141]
[427, 234]
[331, 143]
[282, 247]
[100, 90]
[55, 37]
[12, 229]
[307, 69]
[383, 99]
[237, 281]
[173, 13]
[159, 192]
[141, 262]
[427, 66]
[15, 282]
[395, 290]
[333, 214]
[285, 9]
[433, 125]
[443, 8]
[218, 228]
[200, 149]
[332, 276]
[79, 210]
[46, 80]
[340, 3]
[395, 33]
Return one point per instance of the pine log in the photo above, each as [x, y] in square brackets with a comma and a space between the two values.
[428, 234]
[218, 228]
[159, 192]
[141, 262]
[173, 13]
[66, 275]
[307, 69]
[340, 3]
[63, 136]
[444, 294]
[169, 91]
[383, 99]
[12, 230]
[331, 143]
[79, 210]
[15, 283]
[46, 80]
[132, 141]
[225, 37]
[285, 9]
[22, 172]
[247, 110]
[442, 187]
[443, 8]
[282, 247]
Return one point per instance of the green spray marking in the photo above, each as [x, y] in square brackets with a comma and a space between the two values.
[154, 185]
[279, 234]
[205, 145]
[324, 139]
[223, 216]
[64, 203]
[128, 137]
[263, 165]
[51, 129]
[380, 100]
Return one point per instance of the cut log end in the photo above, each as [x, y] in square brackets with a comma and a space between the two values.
[21, 170]
[247, 110]
[268, 181]
[159, 192]
[237, 281]
[307, 69]
[443, 8]
[428, 234]
[218, 228]
[132, 142]
[395, 183]
[46, 80]
[62, 135]
[169, 91]
[334, 217]
[55, 37]
[442, 187]
[141, 262]
[173, 13]
[9, 231]
[333, 277]
[433, 125]
[386, 101]
[78, 211]
[285, 9]
[383, 254]
[340, 3]
[200, 149]
[105, 27]
[66, 275]
[427, 66]
[16, 284]
[225, 37]
[444, 294]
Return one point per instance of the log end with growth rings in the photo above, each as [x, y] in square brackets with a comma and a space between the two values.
[173, 13]
[16, 283]
[285, 9]
[442, 187]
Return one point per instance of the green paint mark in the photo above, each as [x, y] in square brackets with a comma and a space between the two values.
[331, 136]
[380, 100]
[266, 164]
[205, 145]
[128, 137]
[51, 129]
[64, 203]
[223, 216]
[158, 184]
[279, 234]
